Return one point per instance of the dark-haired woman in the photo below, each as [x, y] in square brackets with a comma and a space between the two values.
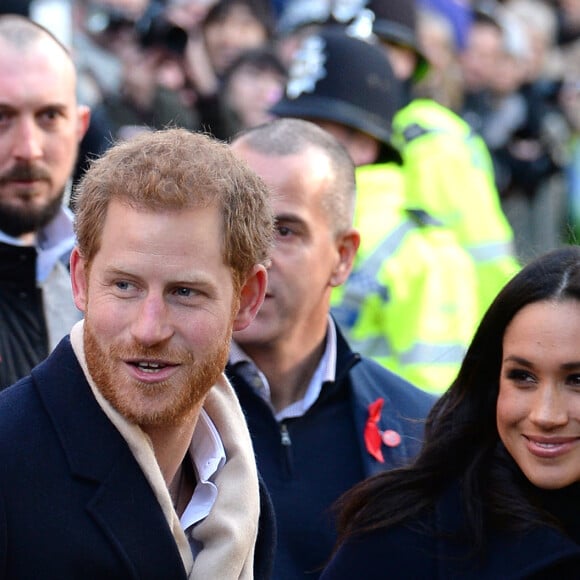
[495, 491]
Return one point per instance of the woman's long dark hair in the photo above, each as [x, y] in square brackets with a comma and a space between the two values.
[461, 438]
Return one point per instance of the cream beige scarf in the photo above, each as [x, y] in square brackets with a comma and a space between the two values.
[229, 532]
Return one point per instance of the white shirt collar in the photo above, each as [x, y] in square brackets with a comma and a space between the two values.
[325, 372]
[208, 456]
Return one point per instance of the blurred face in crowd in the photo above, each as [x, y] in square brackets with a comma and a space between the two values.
[436, 39]
[480, 57]
[538, 408]
[510, 74]
[41, 126]
[251, 92]
[188, 13]
[362, 148]
[228, 37]
[403, 60]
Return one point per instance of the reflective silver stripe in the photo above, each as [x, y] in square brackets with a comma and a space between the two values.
[491, 251]
[376, 347]
[373, 262]
[363, 281]
[433, 354]
[419, 353]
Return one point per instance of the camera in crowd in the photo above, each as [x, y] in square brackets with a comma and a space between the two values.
[153, 29]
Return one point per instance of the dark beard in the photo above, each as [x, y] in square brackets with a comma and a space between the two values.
[16, 221]
[19, 221]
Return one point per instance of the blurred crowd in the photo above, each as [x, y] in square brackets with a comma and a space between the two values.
[511, 69]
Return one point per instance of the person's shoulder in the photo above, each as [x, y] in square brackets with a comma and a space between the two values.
[407, 550]
[14, 396]
[431, 117]
[403, 394]
[18, 408]
[23, 404]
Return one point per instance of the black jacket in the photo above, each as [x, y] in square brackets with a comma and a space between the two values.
[433, 547]
[309, 461]
[23, 332]
[74, 501]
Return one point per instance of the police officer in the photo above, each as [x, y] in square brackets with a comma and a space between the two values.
[448, 167]
[410, 302]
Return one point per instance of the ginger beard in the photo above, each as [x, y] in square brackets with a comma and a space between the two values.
[160, 404]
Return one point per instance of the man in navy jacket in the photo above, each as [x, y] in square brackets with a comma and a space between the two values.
[321, 417]
[126, 454]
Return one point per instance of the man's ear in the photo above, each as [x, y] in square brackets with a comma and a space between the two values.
[251, 297]
[347, 245]
[78, 275]
[84, 119]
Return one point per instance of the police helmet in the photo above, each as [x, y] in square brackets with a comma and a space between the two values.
[393, 21]
[335, 77]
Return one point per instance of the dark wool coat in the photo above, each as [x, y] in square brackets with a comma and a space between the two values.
[74, 502]
[308, 462]
[432, 548]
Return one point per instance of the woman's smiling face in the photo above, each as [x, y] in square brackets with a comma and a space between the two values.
[538, 407]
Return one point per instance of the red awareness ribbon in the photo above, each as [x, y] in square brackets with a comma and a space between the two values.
[372, 435]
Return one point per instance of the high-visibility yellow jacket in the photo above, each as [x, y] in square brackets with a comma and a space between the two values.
[411, 301]
[449, 174]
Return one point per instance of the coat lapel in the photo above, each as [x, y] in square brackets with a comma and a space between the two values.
[366, 382]
[389, 420]
[123, 505]
[128, 513]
